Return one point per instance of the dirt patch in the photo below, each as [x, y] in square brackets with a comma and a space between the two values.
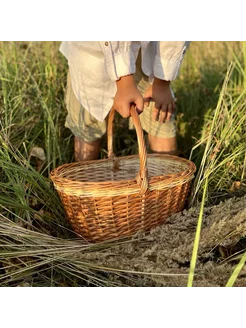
[168, 248]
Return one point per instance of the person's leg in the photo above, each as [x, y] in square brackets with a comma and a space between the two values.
[86, 151]
[163, 145]
[161, 136]
[86, 129]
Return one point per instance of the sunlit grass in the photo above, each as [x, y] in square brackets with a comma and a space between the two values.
[211, 125]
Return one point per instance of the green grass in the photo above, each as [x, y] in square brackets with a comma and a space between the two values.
[211, 123]
[197, 238]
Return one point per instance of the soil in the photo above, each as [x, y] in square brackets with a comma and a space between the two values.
[167, 249]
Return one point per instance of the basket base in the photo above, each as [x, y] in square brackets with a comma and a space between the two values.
[102, 219]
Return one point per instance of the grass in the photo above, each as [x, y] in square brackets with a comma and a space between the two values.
[222, 143]
[36, 244]
[197, 238]
[236, 271]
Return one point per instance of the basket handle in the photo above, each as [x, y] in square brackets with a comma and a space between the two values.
[142, 176]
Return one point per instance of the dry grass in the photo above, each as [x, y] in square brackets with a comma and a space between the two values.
[211, 129]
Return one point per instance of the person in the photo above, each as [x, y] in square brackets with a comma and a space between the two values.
[103, 74]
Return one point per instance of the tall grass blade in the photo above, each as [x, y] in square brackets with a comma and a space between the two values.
[236, 271]
[197, 238]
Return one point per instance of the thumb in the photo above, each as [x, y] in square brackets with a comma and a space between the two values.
[149, 91]
[139, 102]
[147, 96]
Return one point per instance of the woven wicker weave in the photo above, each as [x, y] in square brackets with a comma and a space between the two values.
[116, 197]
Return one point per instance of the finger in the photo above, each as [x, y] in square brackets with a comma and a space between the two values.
[139, 105]
[163, 114]
[123, 110]
[155, 112]
[148, 93]
[147, 101]
[139, 111]
[170, 111]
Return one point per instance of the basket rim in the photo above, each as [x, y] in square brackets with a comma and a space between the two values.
[156, 182]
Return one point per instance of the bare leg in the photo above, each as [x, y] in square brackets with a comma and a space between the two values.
[163, 145]
[85, 151]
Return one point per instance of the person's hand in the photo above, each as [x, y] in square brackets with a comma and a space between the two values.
[126, 95]
[161, 94]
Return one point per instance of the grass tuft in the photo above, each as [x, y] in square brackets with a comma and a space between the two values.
[37, 246]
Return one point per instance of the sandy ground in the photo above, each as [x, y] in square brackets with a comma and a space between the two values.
[167, 249]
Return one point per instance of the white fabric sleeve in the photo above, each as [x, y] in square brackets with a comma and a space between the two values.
[168, 58]
[119, 58]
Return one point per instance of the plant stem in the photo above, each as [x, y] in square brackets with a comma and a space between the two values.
[197, 237]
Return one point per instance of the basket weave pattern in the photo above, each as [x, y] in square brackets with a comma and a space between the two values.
[116, 197]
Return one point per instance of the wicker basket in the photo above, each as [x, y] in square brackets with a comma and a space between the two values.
[111, 198]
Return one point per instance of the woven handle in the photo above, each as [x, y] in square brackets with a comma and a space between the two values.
[142, 176]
